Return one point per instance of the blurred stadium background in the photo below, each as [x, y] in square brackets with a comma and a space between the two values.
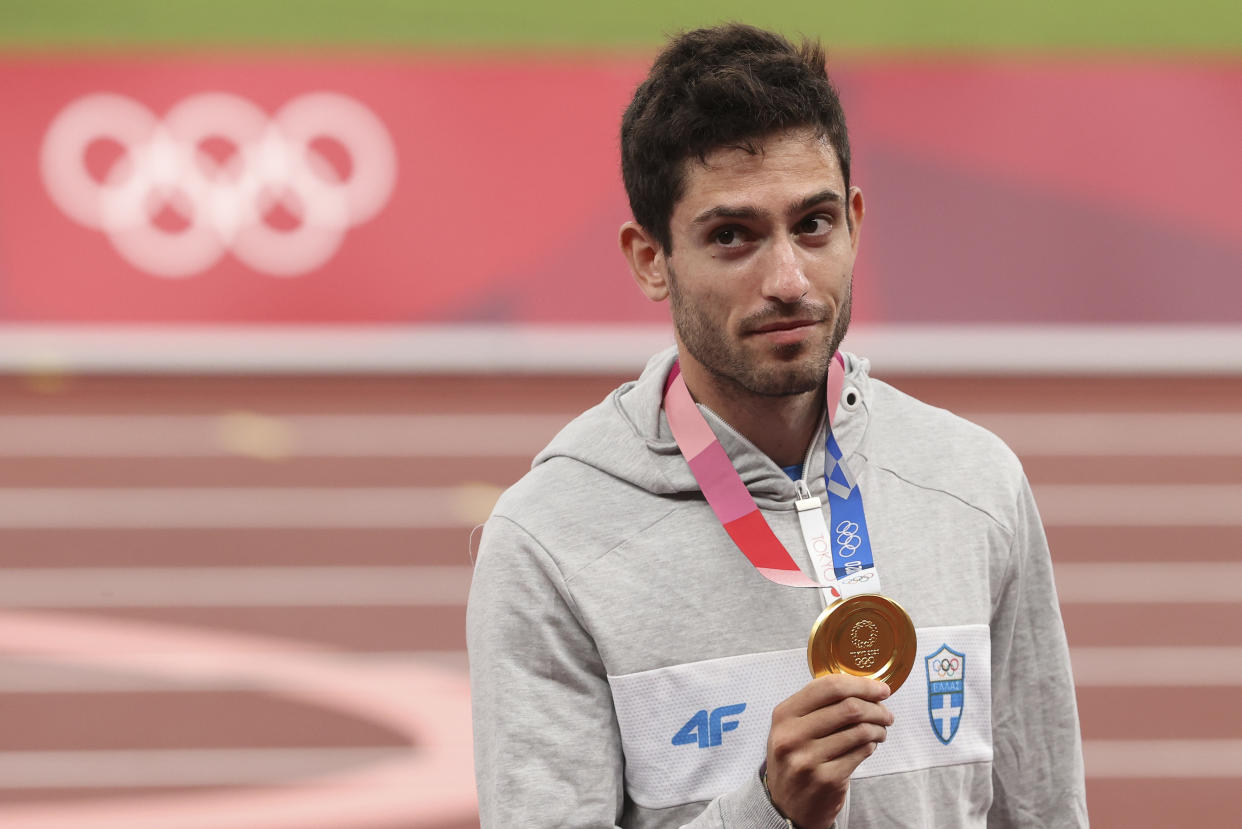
[258, 386]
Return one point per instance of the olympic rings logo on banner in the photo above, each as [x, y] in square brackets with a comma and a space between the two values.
[227, 173]
[847, 536]
[946, 667]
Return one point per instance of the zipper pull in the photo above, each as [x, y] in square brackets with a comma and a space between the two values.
[806, 501]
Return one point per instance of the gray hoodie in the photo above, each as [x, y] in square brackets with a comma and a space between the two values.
[626, 657]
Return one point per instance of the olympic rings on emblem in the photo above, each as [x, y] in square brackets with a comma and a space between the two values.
[946, 666]
[224, 169]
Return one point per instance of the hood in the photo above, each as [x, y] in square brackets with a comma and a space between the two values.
[627, 437]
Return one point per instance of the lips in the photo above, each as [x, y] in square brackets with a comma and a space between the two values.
[784, 325]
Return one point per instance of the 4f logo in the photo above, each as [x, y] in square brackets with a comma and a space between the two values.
[706, 729]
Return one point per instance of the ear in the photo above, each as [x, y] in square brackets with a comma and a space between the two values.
[646, 260]
[856, 210]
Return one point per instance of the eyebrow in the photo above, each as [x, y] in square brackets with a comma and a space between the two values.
[825, 195]
[724, 211]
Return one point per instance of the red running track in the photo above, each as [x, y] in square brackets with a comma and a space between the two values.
[238, 602]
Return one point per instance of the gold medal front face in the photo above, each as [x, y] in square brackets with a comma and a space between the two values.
[865, 635]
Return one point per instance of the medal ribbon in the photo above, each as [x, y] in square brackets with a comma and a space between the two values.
[738, 513]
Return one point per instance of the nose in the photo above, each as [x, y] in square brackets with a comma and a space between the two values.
[784, 278]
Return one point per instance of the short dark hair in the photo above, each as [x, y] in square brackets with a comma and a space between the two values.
[725, 86]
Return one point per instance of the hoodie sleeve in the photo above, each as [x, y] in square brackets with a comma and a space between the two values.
[547, 747]
[1037, 771]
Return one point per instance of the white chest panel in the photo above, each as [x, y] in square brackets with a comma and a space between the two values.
[694, 731]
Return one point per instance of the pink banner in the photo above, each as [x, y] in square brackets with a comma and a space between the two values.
[406, 190]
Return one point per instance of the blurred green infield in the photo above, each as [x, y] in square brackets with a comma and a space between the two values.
[1212, 27]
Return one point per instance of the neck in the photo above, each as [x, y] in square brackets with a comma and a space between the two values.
[781, 427]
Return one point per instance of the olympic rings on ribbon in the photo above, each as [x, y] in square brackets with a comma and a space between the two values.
[271, 165]
[848, 537]
[858, 577]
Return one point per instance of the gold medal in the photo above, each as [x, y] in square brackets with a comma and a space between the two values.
[864, 635]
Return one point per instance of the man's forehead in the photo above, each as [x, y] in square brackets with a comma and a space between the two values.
[790, 164]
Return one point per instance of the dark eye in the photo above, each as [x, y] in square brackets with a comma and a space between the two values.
[726, 236]
[814, 226]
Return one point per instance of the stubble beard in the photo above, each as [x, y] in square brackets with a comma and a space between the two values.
[800, 368]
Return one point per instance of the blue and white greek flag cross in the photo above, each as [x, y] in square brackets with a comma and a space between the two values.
[946, 676]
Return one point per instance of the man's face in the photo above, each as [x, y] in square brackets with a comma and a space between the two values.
[762, 261]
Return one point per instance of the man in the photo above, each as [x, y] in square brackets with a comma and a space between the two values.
[629, 665]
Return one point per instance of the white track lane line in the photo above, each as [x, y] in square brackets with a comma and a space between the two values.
[1140, 505]
[1096, 505]
[28, 674]
[343, 586]
[1099, 434]
[447, 585]
[307, 435]
[242, 507]
[155, 768]
[1130, 759]
[522, 435]
[1180, 666]
[1147, 583]
[160, 768]
[1094, 667]
[1078, 349]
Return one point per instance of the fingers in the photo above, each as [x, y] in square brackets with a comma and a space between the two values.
[799, 750]
[829, 742]
[842, 766]
[828, 727]
[831, 760]
[844, 743]
[831, 689]
[847, 712]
